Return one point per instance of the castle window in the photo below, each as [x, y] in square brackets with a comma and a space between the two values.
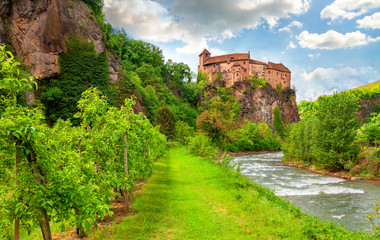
[245, 70]
[277, 73]
[243, 62]
[263, 73]
[284, 81]
[286, 75]
[268, 72]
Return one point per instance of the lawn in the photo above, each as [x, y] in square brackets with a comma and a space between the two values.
[190, 198]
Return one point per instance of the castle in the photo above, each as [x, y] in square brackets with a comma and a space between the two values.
[235, 67]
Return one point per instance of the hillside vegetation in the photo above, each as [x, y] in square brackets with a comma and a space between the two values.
[331, 136]
[369, 86]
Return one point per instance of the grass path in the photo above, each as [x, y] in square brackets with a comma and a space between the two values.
[190, 198]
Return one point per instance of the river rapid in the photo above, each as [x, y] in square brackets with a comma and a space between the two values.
[344, 202]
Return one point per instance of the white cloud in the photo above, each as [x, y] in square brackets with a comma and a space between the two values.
[312, 56]
[372, 21]
[328, 73]
[217, 51]
[197, 22]
[294, 24]
[291, 45]
[320, 81]
[332, 40]
[348, 9]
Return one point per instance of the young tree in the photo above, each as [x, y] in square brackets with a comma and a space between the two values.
[335, 131]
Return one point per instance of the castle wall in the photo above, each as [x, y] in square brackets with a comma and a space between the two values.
[236, 70]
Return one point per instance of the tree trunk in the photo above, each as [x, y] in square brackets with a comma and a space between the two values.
[44, 219]
[80, 146]
[17, 163]
[126, 195]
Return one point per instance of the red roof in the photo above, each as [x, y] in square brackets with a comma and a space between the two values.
[278, 66]
[257, 62]
[204, 51]
[241, 57]
[224, 58]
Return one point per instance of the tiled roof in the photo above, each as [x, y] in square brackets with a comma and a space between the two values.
[204, 51]
[241, 57]
[223, 58]
[257, 62]
[278, 66]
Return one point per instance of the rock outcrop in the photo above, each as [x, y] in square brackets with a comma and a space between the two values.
[368, 106]
[38, 30]
[257, 104]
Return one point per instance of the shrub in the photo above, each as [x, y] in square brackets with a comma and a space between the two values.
[202, 146]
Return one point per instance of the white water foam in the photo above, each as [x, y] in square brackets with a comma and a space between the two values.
[315, 191]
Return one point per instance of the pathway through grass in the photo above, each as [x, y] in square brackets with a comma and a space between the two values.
[190, 198]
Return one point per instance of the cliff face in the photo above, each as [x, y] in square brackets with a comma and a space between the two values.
[368, 106]
[38, 30]
[257, 104]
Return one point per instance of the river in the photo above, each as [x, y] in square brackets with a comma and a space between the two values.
[342, 201]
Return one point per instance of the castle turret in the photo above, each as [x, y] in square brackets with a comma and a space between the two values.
[205, 54]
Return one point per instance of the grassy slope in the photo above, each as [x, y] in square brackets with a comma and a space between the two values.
[368, 86]
[190, 198]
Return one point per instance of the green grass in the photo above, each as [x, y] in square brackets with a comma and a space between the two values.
[190, 198]
[368, 86]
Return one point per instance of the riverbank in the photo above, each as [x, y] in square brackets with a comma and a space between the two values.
[367, 168]
[190, 198]
[320, 170]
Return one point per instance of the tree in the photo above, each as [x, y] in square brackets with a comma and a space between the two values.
[165, 118]
[183, 131]
[336, 130]
[211, 125]
[95, 5]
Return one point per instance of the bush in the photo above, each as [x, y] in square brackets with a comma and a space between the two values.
[202, 146]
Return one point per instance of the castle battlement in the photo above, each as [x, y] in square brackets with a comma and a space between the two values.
[235, 67]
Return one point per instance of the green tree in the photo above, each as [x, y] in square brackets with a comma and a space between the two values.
[165, 119]
[183, 131]
[336, 130]
[95, 5]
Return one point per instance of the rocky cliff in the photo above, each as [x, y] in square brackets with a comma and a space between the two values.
[38, 31]
[368, 106]
[257, 103]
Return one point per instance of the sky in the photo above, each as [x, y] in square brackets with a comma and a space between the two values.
[328, 45]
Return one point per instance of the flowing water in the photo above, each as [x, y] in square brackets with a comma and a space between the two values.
[342, 201]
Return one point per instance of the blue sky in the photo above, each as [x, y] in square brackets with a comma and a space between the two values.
[329, 45]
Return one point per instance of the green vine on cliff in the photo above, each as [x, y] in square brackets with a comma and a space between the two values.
[80, 67]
